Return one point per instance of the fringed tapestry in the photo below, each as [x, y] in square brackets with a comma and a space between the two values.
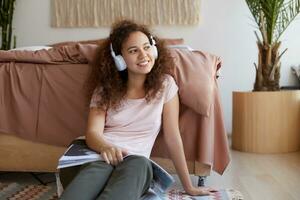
[96, 13]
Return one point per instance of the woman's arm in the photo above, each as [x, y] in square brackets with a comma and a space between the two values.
[95, 126]
[175, 147]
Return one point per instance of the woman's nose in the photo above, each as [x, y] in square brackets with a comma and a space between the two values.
[142, 53]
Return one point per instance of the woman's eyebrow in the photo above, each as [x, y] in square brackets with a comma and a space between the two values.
[132, 47]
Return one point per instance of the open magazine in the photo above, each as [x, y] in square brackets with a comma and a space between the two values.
[78, 153]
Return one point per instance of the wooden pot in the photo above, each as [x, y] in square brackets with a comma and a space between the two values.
[266, 122]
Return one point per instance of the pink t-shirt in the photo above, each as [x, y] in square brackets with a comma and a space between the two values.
[135, 125]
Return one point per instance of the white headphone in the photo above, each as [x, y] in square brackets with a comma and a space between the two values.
[119, 60]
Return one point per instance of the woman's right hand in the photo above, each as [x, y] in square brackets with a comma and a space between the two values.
[112, 155]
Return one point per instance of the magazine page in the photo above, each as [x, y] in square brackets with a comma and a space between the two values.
[78, 154]
[70, 163]
[150, 195]
[79, 150]
[162, 179]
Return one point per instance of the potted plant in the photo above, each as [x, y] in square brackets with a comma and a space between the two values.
[6, 17]
[265, 121]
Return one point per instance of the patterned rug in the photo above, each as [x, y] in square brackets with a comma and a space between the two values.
[226, 194]
[15, 191]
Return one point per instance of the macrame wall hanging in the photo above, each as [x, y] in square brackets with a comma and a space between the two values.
[96, 13]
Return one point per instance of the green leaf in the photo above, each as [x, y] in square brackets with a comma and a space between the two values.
[287, 14]
[273, 16]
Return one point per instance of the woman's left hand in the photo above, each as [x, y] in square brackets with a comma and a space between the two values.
[200, 191]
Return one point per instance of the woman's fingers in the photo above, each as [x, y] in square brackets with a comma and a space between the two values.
[113, 155]
[119, 155]
[114, 160]
[124, 152]
[195, 191]
[109, 156]
[208, 191]
[104, 156]
[211, 189]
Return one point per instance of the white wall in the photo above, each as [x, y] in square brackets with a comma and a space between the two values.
[226, 30]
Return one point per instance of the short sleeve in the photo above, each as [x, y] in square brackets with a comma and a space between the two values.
[171, 88]
[95, 98]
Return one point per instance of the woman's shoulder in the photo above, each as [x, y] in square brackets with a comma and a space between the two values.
[96, 97]
[170, 88]
[169, 80]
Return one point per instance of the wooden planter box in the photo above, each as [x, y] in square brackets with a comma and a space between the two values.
[266, 122]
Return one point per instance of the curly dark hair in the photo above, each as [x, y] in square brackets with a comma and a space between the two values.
[111, 83]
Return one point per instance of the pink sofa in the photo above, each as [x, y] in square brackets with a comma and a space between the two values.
[43, 108]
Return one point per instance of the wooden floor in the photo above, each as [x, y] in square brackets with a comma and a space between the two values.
[261, 176]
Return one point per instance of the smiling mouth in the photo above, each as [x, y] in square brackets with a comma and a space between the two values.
[144, 63]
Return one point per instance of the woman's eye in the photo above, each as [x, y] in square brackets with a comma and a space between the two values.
[147, 47]
[132, 51]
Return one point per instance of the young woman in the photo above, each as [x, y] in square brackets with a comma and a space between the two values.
[132, 95]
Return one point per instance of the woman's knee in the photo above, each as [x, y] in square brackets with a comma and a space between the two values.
[93, 170]
[139, 163]
[138, 160]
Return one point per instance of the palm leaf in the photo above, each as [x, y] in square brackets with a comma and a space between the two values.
[287, 14]
[273, 16]
[270, 9]
[255, 9]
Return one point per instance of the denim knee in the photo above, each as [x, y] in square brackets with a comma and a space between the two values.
[140, 163]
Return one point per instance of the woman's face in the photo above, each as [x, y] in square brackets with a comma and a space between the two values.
[138, 53]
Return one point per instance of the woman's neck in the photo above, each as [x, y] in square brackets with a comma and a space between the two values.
[135, 87]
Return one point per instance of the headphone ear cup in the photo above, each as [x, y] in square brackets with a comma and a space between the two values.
[119, 60]
[155, 51]
[120, 63]
[154, 48]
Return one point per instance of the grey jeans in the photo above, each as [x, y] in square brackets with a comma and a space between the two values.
[129, 180]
